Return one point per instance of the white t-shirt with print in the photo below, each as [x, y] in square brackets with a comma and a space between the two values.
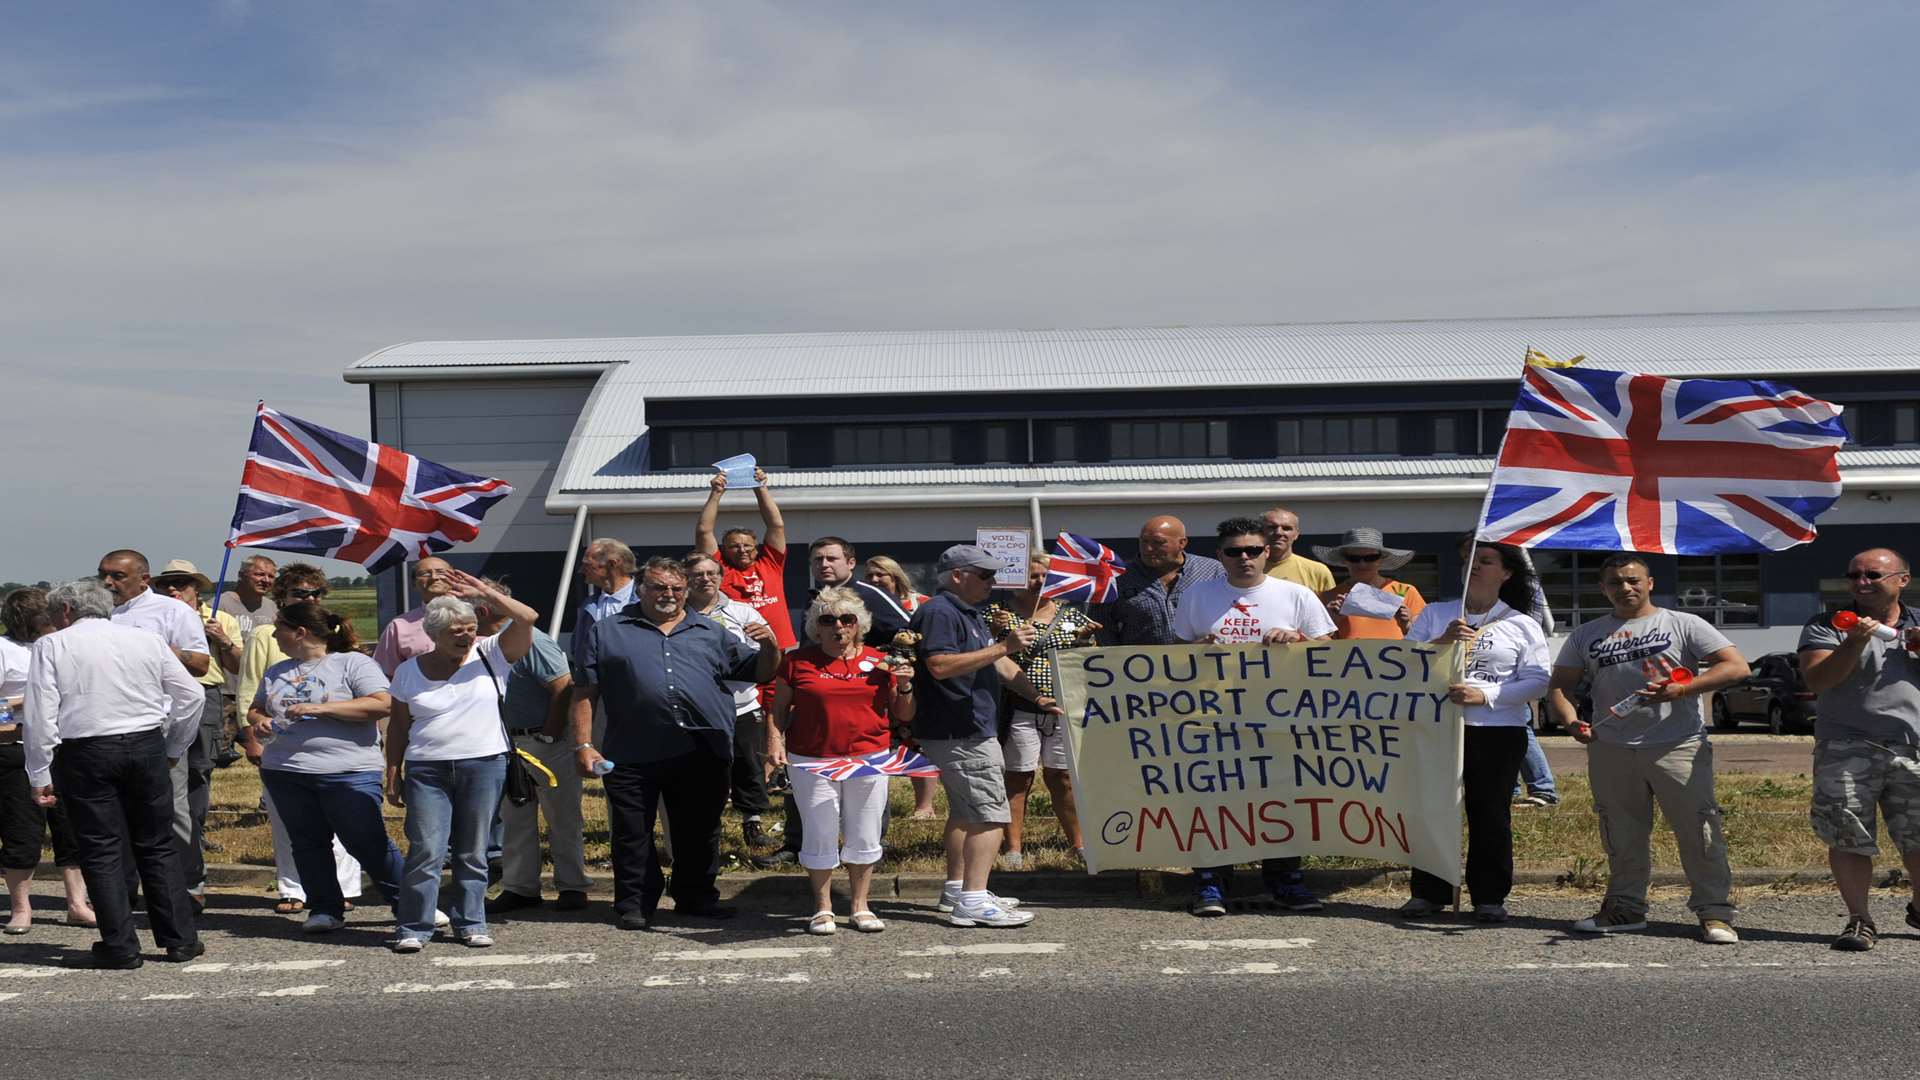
[1235, 614]
[459, 717]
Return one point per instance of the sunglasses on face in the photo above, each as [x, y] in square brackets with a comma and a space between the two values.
[1871, 575]
[985, 575]
[843, 620]
[306, 594]
[670, 590]
[1252, 552]
[1374, 557]
[173, 586]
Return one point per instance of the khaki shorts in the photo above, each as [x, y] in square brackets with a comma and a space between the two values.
[1853, 777]
[974, 773]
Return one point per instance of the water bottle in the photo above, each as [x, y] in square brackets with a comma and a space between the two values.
[1679, 676]
[602, 767]
[6, 712]
[1845, 621]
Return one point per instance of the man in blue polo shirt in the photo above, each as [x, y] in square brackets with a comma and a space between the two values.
[663, 671]
[957, 728]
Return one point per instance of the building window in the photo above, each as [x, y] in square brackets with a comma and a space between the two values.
[883, 445]
[1571, 580]
[1722, 589]
[1906, 423]
[1337, 436]
[1066, 441]
[1147, 440]
[1456, 434]
[699, 448]
[998, 443]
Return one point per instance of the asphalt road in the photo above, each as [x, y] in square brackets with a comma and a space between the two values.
[1741, 752]
[1086, 990]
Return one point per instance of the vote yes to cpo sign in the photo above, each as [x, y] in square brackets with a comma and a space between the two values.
[1204, 755]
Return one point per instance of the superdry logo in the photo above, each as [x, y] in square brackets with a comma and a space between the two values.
[1624, 648]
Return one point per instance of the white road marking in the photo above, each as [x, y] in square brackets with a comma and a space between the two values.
[291, 991]
[1590, 965]
[513, 959]
[1252, 944]
[919, 974]
[760, 953]
[149, 997]
[993, 973]
[469, 984]
[30, 972]
[8, 997]
[995, 948]
[1258, 968]
[216, 967]
[1173, 971]
[790, 977]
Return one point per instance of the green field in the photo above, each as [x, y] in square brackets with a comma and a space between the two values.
[358, 604]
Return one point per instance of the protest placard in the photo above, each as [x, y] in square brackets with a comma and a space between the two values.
[1011, 545]
[1205, 755]
[739, 469]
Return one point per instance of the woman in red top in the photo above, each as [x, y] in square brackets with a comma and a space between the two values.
[834, 699]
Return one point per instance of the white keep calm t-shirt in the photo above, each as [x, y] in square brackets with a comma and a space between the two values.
[1234, 614]
[459, 717]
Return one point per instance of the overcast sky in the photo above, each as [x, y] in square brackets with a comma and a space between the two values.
[205, 205]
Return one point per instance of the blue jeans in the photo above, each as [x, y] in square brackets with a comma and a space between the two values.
[1536, 776]
[450, 807]
[316, 807]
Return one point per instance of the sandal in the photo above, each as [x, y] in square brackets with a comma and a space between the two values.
[867, 922]
[289, 906]
[822, 923]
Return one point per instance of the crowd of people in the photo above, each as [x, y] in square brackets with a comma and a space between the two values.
[686, 687]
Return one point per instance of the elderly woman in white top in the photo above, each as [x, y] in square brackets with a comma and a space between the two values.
[447, 756]
[1506, 668]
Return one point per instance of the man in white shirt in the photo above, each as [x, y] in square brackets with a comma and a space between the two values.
[1246, 606]
[128, 576]
[107, 707]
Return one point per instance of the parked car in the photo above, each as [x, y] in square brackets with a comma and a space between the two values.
[1774, 694]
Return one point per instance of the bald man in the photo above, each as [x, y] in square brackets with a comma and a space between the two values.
[406, 636]
[1149, 592]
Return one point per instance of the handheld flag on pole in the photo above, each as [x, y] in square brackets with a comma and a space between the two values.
[1619, 461]
[899, 761]
[316, 491]
[1082, 569]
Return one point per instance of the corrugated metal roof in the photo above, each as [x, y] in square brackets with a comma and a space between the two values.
[1447, 350]
[1857, 467]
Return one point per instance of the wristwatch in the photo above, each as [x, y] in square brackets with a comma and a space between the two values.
[583, 746]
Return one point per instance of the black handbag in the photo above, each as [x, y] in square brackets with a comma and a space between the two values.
[520, 782]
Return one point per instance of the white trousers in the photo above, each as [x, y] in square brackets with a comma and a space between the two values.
[838, 814]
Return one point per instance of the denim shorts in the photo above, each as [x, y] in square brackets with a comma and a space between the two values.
[974, 774]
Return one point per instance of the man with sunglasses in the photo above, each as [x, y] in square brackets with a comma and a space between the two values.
[1866, 747]
[1246, 607]
[957, 726]
[406, 636]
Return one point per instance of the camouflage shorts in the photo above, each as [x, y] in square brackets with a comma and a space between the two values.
[1851, 777]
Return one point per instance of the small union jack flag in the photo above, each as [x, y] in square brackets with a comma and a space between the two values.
[899, 761]
[1617, 461]
[313, 490]
[1082, 569]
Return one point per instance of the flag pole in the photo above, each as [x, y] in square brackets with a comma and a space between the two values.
[220, 582]
[1486, 501]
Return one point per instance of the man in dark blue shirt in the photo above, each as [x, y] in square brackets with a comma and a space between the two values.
[662, 670]
[957, 727]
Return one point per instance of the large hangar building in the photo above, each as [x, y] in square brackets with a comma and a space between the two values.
[907, 441]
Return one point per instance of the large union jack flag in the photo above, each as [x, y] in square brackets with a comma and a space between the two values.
[899, 761]
[1616, 461]
[1083, 569]
[313, 490]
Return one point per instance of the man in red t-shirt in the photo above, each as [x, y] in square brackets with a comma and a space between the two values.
[754, 571]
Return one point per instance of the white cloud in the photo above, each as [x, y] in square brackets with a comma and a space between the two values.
[760, 170]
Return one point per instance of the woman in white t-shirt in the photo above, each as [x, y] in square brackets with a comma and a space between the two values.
[1506, 667]
[447, 757]
[24, 824]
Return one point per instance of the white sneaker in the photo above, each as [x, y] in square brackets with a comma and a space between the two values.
[1718, 932]
[440, 920]
[322, 924]
[950, 899]
[988, 914]
[477, 941]
[407, 944]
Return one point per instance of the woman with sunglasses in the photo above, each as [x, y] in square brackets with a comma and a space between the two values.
[294, 583]
[1367, 560]
[838, 698]
[317, 717]
[1034, 740]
